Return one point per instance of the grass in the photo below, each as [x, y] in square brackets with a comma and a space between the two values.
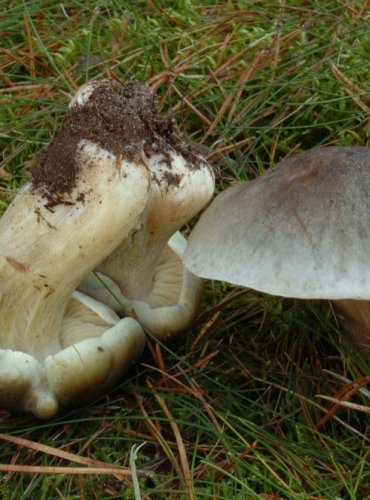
[236, 407]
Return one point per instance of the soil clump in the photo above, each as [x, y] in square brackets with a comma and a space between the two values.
[122, 119]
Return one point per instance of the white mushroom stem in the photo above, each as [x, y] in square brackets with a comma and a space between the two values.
[44, 254]
[146, 267]
[177, 193]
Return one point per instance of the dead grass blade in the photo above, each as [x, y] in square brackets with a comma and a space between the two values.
[351, 88]
[346, 404]
[155, 430]
[345, 393]
[40, 469]
[180, 442]
[56, 452]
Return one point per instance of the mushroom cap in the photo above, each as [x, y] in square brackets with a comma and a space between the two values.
[172, 302]
[301, 230]
[94, 359]
[97, 349]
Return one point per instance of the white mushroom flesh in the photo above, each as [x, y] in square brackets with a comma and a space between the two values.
[146, 275]
[44, 255]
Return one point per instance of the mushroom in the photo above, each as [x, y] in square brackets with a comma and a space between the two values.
[144, 276]
[58, 347]
[300, 230]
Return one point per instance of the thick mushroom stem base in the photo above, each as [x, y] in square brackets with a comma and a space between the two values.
[354, 315]
[96, 349]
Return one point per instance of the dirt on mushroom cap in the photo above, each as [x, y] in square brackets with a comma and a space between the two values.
[122, 119]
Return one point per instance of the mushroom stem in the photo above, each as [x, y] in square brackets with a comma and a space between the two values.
[177, 193]
[181, 183]
[46, 358]
[354, 316]
[47, 252]
[147, 266]
[26, 323]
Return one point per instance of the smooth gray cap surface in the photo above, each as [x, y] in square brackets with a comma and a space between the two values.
[301, 230]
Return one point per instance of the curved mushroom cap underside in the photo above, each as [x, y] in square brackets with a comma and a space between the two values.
[171, 303]
[96, 349]
[301, 230]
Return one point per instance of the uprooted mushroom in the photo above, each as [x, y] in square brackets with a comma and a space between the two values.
[300, 230]
[114, 186]
[144, 276]
[86, 194]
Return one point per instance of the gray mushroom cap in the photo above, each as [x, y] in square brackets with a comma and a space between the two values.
[300, 230]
